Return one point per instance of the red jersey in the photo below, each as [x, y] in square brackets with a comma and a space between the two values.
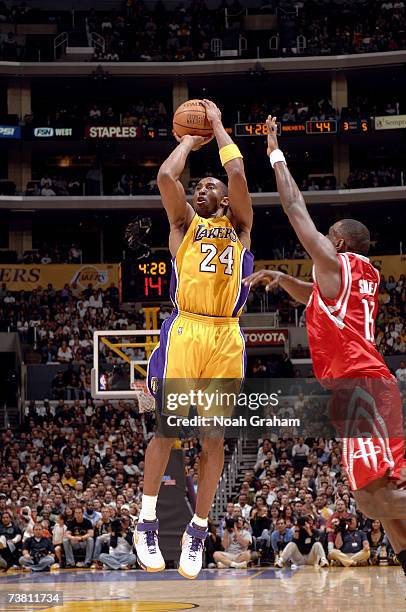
[367, 413]
[341, 331]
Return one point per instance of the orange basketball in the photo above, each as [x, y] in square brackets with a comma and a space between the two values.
[190, 118]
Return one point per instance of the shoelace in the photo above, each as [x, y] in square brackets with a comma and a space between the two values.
[196, 544]
[150, 537]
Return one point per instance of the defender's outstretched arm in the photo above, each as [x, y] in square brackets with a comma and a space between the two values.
[299, 290]
[319, 247]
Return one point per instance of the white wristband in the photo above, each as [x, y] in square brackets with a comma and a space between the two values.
[277, 156]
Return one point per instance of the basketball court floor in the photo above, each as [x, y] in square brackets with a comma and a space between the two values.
[305, 589]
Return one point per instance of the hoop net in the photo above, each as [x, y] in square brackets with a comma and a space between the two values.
[146, 403]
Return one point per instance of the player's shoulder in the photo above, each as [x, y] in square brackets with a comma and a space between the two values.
[362, 263]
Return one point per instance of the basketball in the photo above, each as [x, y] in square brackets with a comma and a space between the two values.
[164, 306]
[190, 118]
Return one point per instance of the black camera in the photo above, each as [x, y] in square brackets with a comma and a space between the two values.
[230, 524]
[116, 527]
[343, 525]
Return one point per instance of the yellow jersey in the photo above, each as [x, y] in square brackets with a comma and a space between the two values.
[208, 269]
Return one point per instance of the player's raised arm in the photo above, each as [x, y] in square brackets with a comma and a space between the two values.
[319, 247]
[231, 158]
[171, 189]
[299, 290]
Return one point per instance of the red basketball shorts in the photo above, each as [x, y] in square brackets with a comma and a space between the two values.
[367, 414]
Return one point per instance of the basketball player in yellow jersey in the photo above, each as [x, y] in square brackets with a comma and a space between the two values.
[209, 242]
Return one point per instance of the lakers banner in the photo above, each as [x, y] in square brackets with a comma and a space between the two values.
[29, 277]
[388, 265]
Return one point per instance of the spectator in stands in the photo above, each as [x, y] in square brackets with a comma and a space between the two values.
[79, 538]
[229, 514]
[75, 254]
[300, 450]
[280, 537]
[46, 189]
[235, 542]
[212, 544]
[304, 549]
[244, 506]
[102, 532]
[65, 354]
[38, 552]
[375, 538]
[340, 513]
[91, 514]
[93, 179]
[120, 555]
[401, 375]
[10, 540]
[351, 546]
[58, 532]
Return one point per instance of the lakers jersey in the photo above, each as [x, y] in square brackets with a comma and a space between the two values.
[208, 269]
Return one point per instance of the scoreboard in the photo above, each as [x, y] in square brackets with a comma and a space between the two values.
[328, 126]
[147, 280]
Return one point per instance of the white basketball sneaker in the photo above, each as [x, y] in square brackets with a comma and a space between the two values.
[147, 547]
[191, 558]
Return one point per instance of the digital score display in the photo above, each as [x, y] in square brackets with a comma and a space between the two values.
[330, 126]
[147, 280]
[355, 126]
[321, 127]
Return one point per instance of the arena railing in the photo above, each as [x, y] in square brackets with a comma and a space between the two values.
[227, 481]
[338, 197]
[207, 67]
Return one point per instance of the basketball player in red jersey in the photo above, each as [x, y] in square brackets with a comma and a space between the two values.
[342, 303]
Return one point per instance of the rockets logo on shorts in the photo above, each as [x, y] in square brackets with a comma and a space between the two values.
[366, 436]
[367, 416]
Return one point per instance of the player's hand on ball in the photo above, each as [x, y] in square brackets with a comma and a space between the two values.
[194, 142]
[212, 111]
[272, 134]
[270, 278]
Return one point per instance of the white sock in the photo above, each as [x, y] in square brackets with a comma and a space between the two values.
[199, 521]
[148, 508]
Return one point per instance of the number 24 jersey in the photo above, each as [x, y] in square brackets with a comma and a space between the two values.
[209, 268]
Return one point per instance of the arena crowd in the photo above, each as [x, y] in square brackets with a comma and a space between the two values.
[138, 32]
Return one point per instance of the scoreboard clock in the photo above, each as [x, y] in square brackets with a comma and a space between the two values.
[147, 280]
[253, 129]
[327, 126]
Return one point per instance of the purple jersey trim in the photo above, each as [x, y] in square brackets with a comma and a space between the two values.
[247, 268]
[157, 362]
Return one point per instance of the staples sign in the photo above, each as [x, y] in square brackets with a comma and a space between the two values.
[113, 131]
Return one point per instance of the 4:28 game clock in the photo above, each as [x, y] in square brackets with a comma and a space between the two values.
[147, 280]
